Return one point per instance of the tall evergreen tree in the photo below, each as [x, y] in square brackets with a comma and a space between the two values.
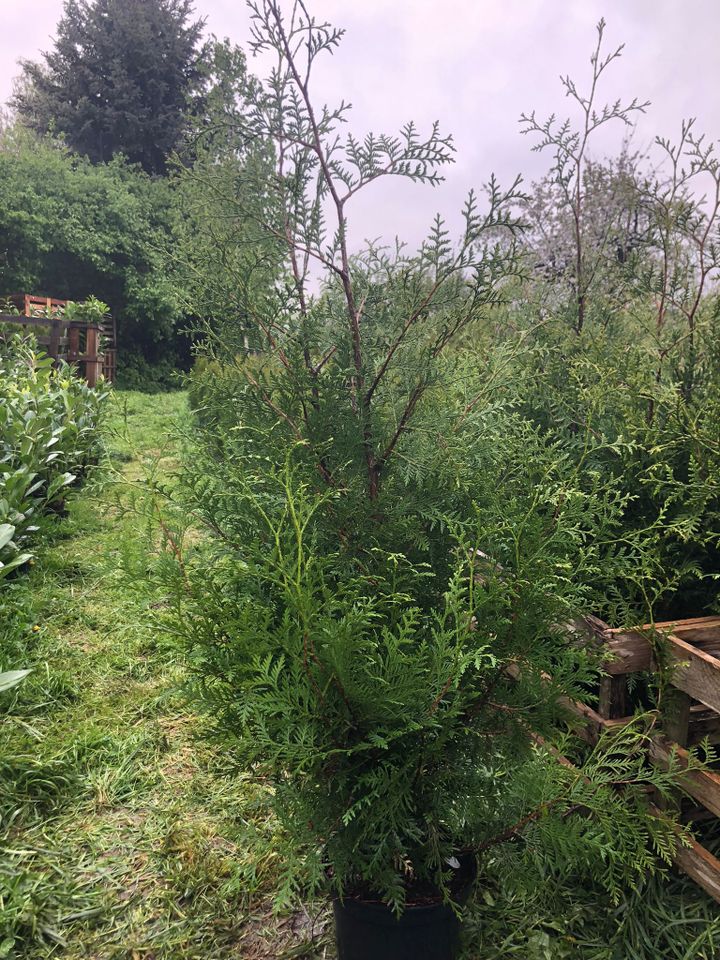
[120, 79]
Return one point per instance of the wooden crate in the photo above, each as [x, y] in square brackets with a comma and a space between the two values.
[693, 649]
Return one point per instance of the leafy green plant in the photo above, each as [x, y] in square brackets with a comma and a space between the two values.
[664, 916]
[390, 727]
[135, 372]
[627, 250]
[48, 440]
[375, 621]
[109, 224]
[91, 310]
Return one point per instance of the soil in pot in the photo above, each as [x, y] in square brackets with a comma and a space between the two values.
[428, 929]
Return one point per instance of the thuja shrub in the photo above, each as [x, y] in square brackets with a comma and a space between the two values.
[48, 440]
[623, 263]
[654, 436]
[398, 711]
[377, 620]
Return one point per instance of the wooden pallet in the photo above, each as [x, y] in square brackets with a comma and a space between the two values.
[91, 346]
[30, 305]
[693, 647]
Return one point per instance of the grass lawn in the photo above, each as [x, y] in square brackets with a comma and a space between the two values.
[126, 840]
[122, 835]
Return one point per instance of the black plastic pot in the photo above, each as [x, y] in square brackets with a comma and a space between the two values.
[371, 931]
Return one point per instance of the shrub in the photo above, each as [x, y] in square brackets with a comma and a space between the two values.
[381, 706]
[48, 440]
[136, 372]
[395, 551]
[658, 442]
[622, 267]
[75, 228]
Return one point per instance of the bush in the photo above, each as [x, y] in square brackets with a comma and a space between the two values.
[73, 228]
[656, 438]
[48, 441]
[395, 549]
[135, 372]
[380, 704]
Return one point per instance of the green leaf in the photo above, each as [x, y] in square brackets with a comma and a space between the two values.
[18, 561]
[6, 534]
[11, 678]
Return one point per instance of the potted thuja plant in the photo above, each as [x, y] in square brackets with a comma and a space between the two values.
[377, 621]
[405, 714]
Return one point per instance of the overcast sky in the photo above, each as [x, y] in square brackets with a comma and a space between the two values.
[475, 65]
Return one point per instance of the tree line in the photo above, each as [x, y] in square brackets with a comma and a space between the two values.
[96, 158]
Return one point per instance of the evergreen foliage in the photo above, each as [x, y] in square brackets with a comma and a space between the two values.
[218, 256]
[659, 444]
[570, 146]
[378, 622]
[381, 705]
[623, 260]
[120, 79]
[413, 471]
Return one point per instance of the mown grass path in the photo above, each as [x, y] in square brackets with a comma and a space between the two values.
[128, 841]
[124, 839]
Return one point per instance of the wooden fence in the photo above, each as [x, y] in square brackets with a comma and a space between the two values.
[91, 347]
